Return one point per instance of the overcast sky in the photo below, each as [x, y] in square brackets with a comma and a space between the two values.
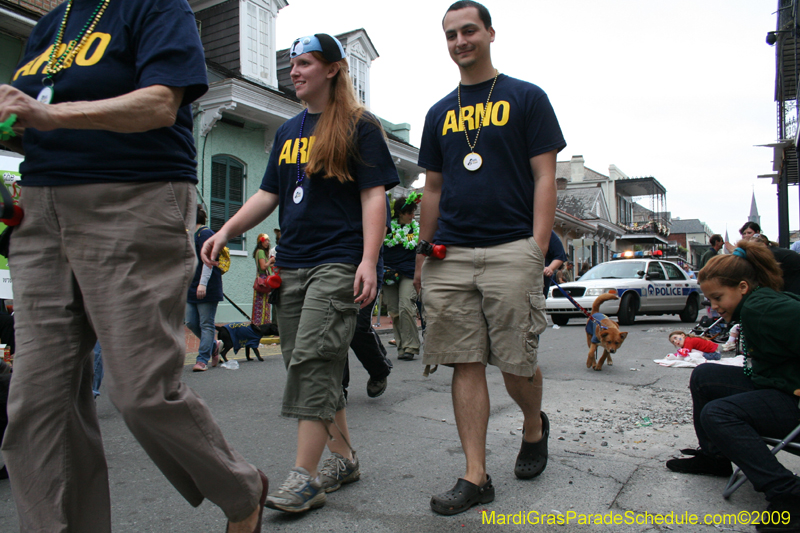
[679, 90]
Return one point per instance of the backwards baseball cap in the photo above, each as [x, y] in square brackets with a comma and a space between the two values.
[330, 47]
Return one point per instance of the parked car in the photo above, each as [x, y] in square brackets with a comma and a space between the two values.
[646, 285]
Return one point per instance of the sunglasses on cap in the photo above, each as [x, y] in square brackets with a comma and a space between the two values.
[330, 47]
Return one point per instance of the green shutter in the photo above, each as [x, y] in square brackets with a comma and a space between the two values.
[227, 194]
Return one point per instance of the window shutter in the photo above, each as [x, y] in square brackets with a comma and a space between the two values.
[227, 195]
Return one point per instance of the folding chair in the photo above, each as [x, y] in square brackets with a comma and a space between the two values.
[738, 478]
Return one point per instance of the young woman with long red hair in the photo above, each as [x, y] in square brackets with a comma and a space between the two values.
[328, 170]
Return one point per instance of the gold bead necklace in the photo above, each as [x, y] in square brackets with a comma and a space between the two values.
[57, 64]
[473, 161]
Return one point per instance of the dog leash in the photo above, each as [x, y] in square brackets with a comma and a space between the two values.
[578, 306]
[237, 307]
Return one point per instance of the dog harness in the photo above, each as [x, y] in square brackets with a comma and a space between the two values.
[590, 326]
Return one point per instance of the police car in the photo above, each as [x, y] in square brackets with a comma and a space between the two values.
[646, 285]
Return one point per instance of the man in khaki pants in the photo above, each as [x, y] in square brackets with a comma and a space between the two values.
[105, 251]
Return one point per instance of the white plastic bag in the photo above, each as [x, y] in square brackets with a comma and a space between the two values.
[233, 364]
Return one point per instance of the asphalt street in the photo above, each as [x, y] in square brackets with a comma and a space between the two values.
[611, 433]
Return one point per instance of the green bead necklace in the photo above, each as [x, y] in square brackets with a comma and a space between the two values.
[748, 363]
[57, 64]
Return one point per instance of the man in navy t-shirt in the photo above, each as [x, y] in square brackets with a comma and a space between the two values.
[489, 149]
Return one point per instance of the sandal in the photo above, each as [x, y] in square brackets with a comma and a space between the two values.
[463, 496]
[532, 458]
[261, 502]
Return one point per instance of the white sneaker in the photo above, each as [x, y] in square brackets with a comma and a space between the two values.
[298, 494]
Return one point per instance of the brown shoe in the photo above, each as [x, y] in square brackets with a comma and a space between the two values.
[215, 354]
[261, 502]
[199, 367]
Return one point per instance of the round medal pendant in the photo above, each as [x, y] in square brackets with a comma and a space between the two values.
[297, 197]
[45, 95]
[473, 161]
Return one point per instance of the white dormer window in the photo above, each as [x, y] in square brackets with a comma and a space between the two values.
[257, 42]
[359, 71]
[257, 39]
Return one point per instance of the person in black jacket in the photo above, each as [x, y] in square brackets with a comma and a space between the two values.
[716, 243]
[203, 296]
[553, 260]
[788, 260]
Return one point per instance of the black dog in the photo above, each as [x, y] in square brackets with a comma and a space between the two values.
[238, 335]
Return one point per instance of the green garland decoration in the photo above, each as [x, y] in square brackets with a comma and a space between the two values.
[407, 235]
[413, 198]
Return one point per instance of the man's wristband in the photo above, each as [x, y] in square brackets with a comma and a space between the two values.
[437, 251]
[424, 248]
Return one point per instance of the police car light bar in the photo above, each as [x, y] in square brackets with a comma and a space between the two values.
[630, 254]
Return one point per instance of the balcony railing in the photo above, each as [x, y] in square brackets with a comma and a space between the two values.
[651, 227]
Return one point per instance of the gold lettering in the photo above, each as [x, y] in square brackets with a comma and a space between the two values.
[33, 66]
[450, 123]
[103, 38]
[286, 153]
[487, 117]
[61, 49]
[467, 118]
[41, 60]
[310, 146]
[302, 145]
[501, 107]
[24, 71]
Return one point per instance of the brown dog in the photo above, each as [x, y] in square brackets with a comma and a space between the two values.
[609, 336]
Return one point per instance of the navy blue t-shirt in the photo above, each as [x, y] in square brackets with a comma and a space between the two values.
[494, 204]
[325, 227]
[214, 287]
[134, 45]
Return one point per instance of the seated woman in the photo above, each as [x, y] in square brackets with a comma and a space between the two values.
[734, 407]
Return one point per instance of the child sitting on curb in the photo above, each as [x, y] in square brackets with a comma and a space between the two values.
[709, 349]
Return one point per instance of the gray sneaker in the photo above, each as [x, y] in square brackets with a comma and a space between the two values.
[298, 493]
[337, 471]
[376, 388]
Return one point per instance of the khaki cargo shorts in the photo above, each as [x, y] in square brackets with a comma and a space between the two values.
[317, 320]
[485, 305]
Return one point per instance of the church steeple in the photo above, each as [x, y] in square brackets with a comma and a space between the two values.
[754, 211]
